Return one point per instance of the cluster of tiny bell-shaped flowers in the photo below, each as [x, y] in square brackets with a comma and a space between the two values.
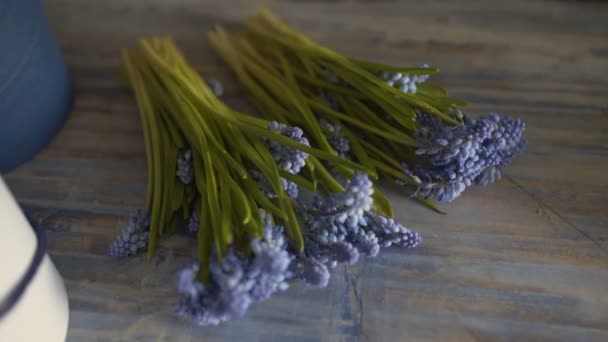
[404, 82]
[291, 189]
[452, 158]
[237, 281]
[336, 138]
[133, 238]
[287, 159]
[340, 227]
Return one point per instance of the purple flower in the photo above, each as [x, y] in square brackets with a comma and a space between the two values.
[186, 282]
[389, 232]
[237, 281]
[199, 303]
[345, 252]
[270, 266]
[336, 138]
[366, 242]
[133, 238]
[287, 158]
[489, 175]
[292, 190]
[347, 207]
[452, 158]
[406, 83]
[314, 273]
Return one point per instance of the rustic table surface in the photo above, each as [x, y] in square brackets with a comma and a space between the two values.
[523, 259]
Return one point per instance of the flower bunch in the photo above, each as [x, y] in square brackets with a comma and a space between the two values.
[133, 238]
[291, 195]
[266, 201]
[390, 119]
[199, 153]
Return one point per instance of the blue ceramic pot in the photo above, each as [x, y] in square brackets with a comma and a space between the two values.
[35, 90]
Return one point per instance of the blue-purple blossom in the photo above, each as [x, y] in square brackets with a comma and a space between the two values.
[330, 225]
[489, 175]
[198, 302]
[347, 207]
[326, 246]
[404, 82]
[366, 242]
[389, 232]
[230, 276]
[313, 272]
[452, 158]
[270, 266]
[287, 158]
[185, 170]
[336, 138]
[237, 281]
[339, 227]
[345, 252]
[133, 238]
[292, 190]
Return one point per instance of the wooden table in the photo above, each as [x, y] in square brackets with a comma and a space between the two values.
[523, 259]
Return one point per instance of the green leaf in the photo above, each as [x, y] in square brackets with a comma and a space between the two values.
[382, 204]
[378, 67]
[431, 205]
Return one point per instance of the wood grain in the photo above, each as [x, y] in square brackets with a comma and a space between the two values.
[523, 259]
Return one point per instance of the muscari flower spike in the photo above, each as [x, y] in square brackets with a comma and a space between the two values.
[313, 272]
[456, 157]
[287, 158]
[133, 238]
[347, 207]
[291, 189]
[236, 281]
[406, 83]
[336, 138]
[340, 227]
[388, 232]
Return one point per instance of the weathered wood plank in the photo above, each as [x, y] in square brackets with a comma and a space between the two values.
[523, 259]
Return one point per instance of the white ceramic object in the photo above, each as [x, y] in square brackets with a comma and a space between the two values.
[42, 312]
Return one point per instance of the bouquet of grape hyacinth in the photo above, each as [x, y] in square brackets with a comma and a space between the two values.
[389, 119]
[291, 195]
